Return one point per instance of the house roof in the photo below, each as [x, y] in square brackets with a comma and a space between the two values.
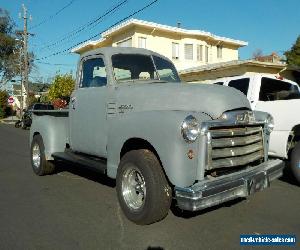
[230, 64]
[137, 22]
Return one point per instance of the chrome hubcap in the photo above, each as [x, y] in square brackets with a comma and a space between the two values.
[36, 156]
[133, 188]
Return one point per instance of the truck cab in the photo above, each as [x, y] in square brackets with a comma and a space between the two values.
[132, 119]
[280, 97]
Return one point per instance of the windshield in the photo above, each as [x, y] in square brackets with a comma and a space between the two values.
[274, 90]
[165, 70]
[133, 67]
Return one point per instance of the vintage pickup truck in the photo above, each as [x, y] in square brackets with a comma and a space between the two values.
[132, 119]
[281, 98]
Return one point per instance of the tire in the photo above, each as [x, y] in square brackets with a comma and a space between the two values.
[39, 163]
[23, 125]
[142, 188]
[17, 124]
[295, 162]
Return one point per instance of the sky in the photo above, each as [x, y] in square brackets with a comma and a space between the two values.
[268, 25]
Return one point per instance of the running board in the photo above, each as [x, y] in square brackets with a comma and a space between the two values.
[91, 162]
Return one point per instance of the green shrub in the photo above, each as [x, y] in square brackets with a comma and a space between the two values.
[8, 111]
[2, 113]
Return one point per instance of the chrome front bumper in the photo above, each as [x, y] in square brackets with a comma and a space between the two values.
[240, 184]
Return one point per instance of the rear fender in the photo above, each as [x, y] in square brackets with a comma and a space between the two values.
[54, 131]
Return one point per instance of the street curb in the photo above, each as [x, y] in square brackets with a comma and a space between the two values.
[8, 122]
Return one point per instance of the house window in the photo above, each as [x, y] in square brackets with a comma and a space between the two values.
[199, 52]
[175, 50]
[219, 51]
[188, 51]
[142, 42]
[206, 53]
[125, 43]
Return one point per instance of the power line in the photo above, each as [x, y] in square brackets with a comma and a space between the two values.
[53, 15]
[90, 23]
[56, 64]
[118, 22]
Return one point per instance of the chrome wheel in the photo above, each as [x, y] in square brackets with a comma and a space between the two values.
[36, 156]
[133, 188]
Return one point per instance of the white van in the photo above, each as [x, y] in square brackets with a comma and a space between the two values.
[281, 98]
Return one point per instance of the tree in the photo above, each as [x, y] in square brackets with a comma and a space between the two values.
[9, 47]
[62, 87]
[32, 99]
[2, 113]
[293, 55]
[257, 54]
[44, 98]
[3, 98]
[3, 102]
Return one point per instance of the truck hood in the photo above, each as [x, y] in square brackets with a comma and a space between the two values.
[210, 99]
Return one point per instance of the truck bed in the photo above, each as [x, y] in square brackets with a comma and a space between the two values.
[57, 113]
[53, 126]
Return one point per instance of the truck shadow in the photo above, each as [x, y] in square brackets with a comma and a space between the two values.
[189, 214]
[85, 173]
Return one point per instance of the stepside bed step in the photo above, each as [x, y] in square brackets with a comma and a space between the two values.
[95, 163]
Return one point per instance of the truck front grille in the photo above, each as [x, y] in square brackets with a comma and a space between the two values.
[234, 146]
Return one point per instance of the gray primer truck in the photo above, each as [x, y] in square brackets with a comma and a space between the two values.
[132, 119]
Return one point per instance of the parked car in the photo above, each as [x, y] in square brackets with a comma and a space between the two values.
[281, 98]
[26, 119]
[132, 119]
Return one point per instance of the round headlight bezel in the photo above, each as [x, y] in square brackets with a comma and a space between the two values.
[269, 124]
[190, 129]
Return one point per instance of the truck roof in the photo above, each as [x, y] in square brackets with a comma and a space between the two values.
[251, 74]
[109, 51]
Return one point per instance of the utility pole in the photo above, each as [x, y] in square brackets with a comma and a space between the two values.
[21, 78]
[25, 52]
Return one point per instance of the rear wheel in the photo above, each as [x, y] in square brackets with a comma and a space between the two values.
[39, 163]
[295, 162]
[143, 191]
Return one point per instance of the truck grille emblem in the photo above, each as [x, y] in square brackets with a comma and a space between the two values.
[246, 117]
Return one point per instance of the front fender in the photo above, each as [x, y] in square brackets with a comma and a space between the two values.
[162, 130]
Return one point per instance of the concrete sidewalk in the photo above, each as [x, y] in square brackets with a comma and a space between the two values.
[9, 120]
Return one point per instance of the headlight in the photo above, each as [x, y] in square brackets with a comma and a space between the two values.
[269, 123]
[190, 129]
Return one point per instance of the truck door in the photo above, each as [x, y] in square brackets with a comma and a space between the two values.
[274, 98]
[88, 124]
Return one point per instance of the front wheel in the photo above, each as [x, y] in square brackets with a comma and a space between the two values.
[295, 162]
[143, 191]
[39, 163]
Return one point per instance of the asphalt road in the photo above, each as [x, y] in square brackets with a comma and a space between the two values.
[78, 209]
